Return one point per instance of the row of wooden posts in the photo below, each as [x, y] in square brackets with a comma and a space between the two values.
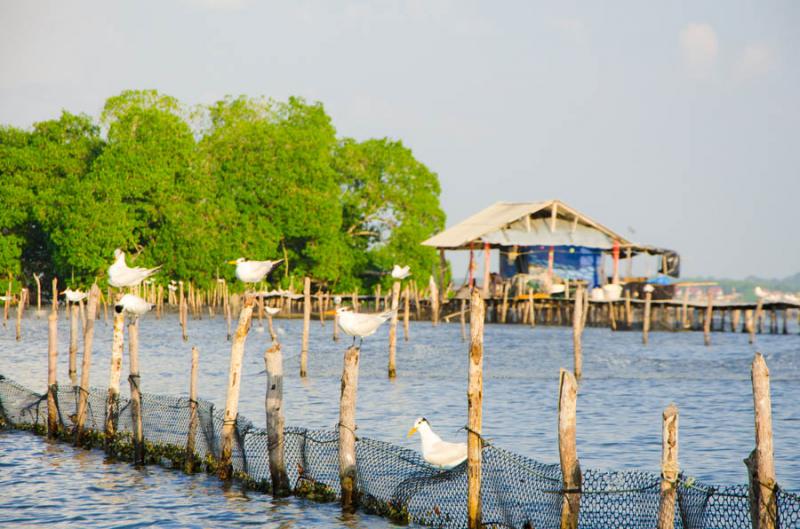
[760, 463]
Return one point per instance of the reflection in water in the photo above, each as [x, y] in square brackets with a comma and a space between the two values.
[624, 390]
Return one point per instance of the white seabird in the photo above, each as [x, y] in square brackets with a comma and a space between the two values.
[121, 275]
[359, 324]
[435, 451]
[74, 296]
[132, 305]
[253, 271]
[401, 272]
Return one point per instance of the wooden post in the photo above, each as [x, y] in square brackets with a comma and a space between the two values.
[23, 297]
[355, 300]
[52, 383]
[486, 273]
[188, 462]
[320, 307]
[474, 410]
[760, 463]
[393, 329]
[417, 306]
[228, 316]
[55, 295]
[136, 395]
[567, 450]
[463, 319]
[648, 296]
[577, 331]
[685, 308]
[434, 293]
[347, 429]
[112, 403]
[749, 325]
[73, 344]
[735, 318]
[306, 325]
[406, 312]
[377, 297]
[504, 306]
[669, 467]
[37, 278]
[628, 309]
[337, 302]
[531, 308]
[88, 339]
[273, 362]
[225, 468]
[707, 319]
[759, 314]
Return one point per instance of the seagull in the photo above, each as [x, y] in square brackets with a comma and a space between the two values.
[132, 305]
[360, 324]
[272, 310]
[401, 272]
[253, 271]
[121, 275]
[74, 296]
[435, 451]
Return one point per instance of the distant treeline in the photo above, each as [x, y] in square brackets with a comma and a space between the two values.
[191, 188]
[747, 285]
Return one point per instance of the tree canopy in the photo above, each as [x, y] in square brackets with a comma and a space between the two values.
[191, 188]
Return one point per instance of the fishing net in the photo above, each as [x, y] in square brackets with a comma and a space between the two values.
[516, 491]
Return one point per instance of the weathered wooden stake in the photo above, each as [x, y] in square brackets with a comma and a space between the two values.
[88, 339]
[73, 344]
[38, 280]
[55, 295]
[52, 382]
[669, 467]
[23, 297]
[577, 331]
[136, 394]
[225, 469]
[112, 403]
[648, 296]
[760, 463]
[347, 429]
[707, 320]
[306, 325]
[531, 308]
[189, 459]
[434, 294]
[273, 361]
[406, 312]
[567, 450]
[337, 302]
[393, 329]
[475, 410]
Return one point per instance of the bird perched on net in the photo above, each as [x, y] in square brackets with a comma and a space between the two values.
[74, 296]
[401, 272]
[253, 271]
[121, 275]
[438, 453]
[359, 324]
[133, 305]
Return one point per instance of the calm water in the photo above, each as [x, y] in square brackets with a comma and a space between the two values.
[625, 388]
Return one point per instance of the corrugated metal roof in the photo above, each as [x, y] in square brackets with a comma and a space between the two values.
[482, 226]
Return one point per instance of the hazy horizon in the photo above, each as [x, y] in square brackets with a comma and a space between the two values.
[675, 126]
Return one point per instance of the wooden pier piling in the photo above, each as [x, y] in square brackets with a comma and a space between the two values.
[567, 450]
[648, 296]
[225, 468]
[577, 331]
[73, 344]
[188, 461]
[393, 330]
[306, 325]
[337, 303]
[669, 467]
[475, 410]
[709, 317]
[52, 382]
[347, 429]
[760, 463]
[88, 341]
[434, 297]
[136, 394]
[406, 310]
[273, 363]
[112, 401]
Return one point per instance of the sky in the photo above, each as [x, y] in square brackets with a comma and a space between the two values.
[676, 124]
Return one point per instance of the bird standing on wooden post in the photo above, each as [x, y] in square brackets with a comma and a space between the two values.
[253, 271]
[120, 275]
[360, 324]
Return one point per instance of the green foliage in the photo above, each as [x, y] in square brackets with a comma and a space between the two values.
[190, 189]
